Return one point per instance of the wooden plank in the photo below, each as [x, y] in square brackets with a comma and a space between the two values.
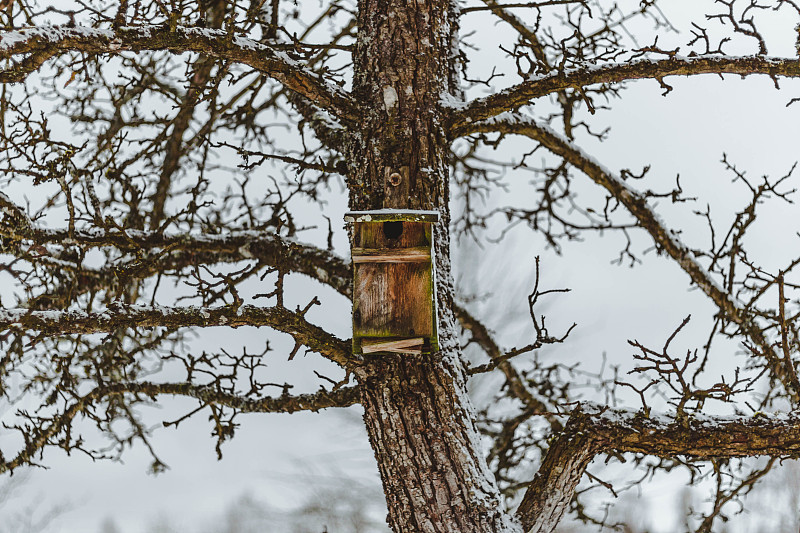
[393, 346]
[408, 258]
[419, 254]
[393, 300]
[382, 215]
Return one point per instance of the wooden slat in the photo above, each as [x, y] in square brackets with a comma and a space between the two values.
[394, 346]
[384, 215]
[419, 254]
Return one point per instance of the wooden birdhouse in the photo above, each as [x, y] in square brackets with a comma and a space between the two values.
[394, 293]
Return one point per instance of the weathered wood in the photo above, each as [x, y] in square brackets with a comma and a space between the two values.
[413, 346]
[391, 234]
[388, 215]
[393, 278]
[419, 254]
[392, 300]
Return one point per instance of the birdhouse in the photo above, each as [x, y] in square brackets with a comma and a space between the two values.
[394, 302]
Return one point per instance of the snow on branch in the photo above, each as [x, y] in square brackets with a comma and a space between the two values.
[637, 204]
[697, 436]
[31, 47]
[57, 431]
[120, 316]
[15, 213]
[594, 429]
[157, 252]
[647, 68]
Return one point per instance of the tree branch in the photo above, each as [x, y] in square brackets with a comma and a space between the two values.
[646, 68]
[15, 213]
[515, 22]
[49, 323]
[323, 399]
[553, 487]
[697, 436]
[174, 150]
[637, 205]
[593, 429]
[163, 252]
[45, 42]
[482, 337]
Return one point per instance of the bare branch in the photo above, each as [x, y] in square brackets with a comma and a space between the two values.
[285, 403]
[511, 5]
[174, 149]
[577, 78]
[159, 252]
[49, 323]
[515, 22]
[722, 496]
[666, 240]
[44, 42]
[593, 429]
[484, 339]
[542, 334]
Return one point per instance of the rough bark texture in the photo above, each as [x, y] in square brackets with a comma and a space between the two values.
[417, 413]
[401, 70]
[553, 487]
[421, 427]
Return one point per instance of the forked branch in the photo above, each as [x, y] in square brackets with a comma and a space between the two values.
[594, 429]
[637, 205]
[33, 46]
[285, 403]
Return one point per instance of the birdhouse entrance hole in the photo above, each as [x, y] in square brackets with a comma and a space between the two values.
[394, 303]
[393, 229]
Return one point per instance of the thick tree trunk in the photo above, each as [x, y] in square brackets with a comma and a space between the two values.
[417, 413]
[421, 427]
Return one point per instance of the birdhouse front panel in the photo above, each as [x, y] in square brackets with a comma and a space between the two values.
[393, 290]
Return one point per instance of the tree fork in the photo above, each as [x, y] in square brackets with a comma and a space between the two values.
[416, 409]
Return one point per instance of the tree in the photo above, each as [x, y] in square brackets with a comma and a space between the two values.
[125, 116]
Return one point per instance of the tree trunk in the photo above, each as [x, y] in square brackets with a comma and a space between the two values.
[416, 410]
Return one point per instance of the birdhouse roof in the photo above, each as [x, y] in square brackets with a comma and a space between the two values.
[389, 215]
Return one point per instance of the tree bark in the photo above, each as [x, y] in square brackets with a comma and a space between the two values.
[553, 487]
[417, 413]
